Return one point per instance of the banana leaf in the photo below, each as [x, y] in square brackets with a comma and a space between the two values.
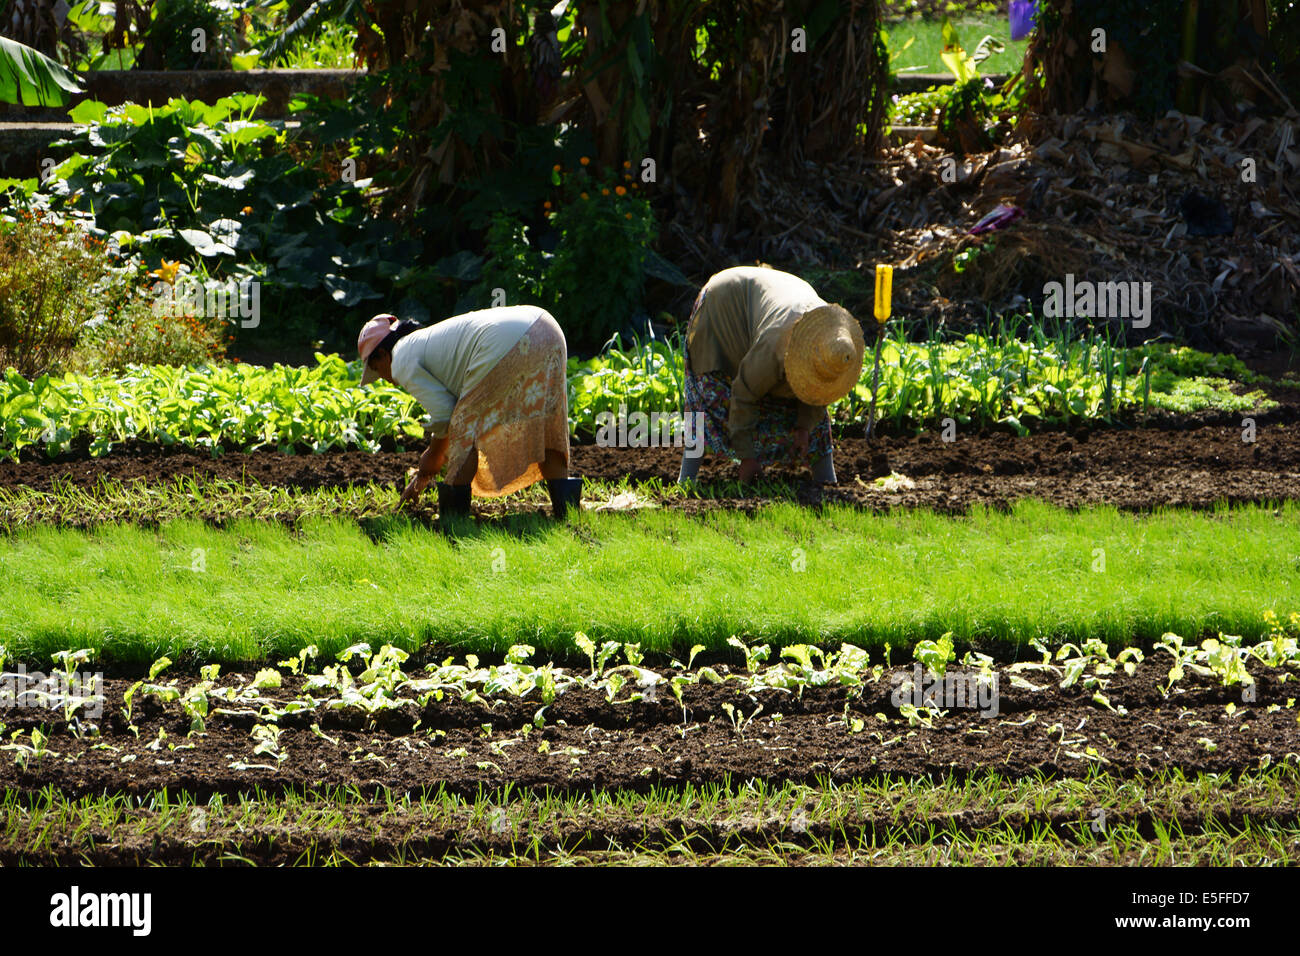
[31, 78]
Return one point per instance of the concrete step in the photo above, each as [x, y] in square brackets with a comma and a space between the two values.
[115, 87]
[920, 82]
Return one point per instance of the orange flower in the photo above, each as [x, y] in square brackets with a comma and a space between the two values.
[585, 160]
[605, 192]
[246, 211]
[627, 215]
[547, 204]
[627, 176]
[620, 190]
[626, 164]
[584, 195]
[555, 168]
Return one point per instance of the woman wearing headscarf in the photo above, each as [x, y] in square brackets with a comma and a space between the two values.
[494, 385]
[765, 355]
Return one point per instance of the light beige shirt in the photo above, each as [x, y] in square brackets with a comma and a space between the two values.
[445, 361]
[740, 330]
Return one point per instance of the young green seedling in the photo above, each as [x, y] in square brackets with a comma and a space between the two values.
[935, 655]
[1225, 659]
[754, 656]
[69, 661]
[738, 719]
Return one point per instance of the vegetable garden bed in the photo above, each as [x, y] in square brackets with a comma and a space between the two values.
[486, 762]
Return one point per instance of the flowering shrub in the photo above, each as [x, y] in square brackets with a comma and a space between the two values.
[67, 302]
[54, 280]
[594, 280]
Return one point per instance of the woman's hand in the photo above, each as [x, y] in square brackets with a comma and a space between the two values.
[431, 462]
[415, 488]
[749, 469]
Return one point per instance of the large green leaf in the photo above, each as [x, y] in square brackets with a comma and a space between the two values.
[29, 77]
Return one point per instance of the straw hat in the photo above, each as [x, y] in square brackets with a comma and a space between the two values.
[823, 355]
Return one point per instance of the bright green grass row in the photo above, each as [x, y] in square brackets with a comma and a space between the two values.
[662, 578]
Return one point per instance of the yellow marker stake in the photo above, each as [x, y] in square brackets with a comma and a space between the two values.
[884, 286]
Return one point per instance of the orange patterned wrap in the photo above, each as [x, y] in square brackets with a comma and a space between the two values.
[515, 415]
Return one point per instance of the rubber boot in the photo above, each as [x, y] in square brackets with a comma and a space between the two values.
[453, 499]
[823, 470]
[690, 468]
[565, 493]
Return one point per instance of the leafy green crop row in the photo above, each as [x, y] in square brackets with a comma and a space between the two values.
[376, 681]
[646, 377]
[980, 380]
[239, 406]
[973, 380]
[1006, 381]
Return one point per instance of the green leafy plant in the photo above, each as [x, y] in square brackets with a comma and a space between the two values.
[1225, 658]
[36, 748]
[967, 116]
[603, 228]
[754, 656]
[935, 655]
[69, 661]
[29, 77]
[239, 197]
[195, 701]
[164, 693]
[738, 719]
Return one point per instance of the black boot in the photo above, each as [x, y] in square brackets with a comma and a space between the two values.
[565, 493]
[453, 499]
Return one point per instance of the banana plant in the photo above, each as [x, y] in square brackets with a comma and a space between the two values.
[31, 78]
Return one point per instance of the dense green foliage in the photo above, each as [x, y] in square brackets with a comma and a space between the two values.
[238, 198]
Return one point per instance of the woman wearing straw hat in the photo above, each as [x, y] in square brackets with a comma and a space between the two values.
[494, 385]
[765, 355]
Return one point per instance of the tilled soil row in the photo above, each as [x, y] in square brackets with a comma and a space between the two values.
[1199, 465]
[586, 744]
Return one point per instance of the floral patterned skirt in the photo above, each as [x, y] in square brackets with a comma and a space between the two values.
[515, 415]
[710, 393]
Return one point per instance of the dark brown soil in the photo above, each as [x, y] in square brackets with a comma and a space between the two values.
[1140, 468]
[591, 744]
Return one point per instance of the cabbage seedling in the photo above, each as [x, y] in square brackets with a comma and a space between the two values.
[753, 655]
[1225, 659]
[738, 719]
[935, 655]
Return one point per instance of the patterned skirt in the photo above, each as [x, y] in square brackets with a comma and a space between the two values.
[515, 415]
[710, 393]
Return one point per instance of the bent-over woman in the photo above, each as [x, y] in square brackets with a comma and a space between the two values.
[494, 385]
[765, 355]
